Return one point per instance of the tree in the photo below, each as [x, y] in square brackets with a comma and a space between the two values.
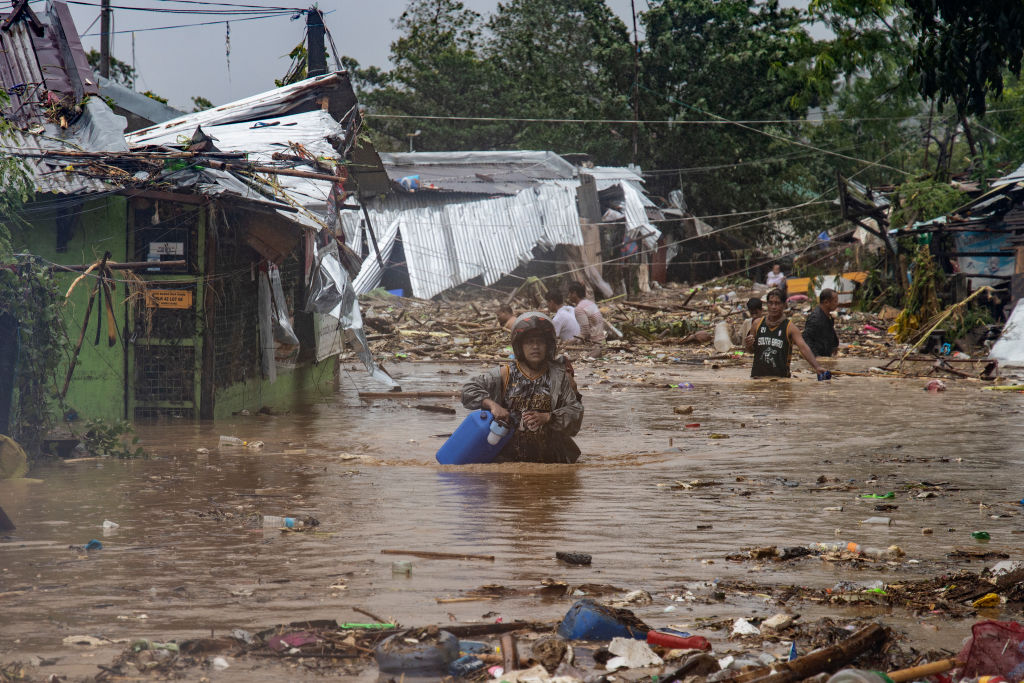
[16, 186]
[439, 71]
[200, 103]
[566, 59]
[120, 72]
[729, 60]
[964, 47]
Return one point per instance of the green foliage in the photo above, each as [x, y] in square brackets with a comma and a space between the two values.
[924, 200]
[964, 49]
[153, 96]
[957, 326]
[297, 69]
[120, 72]
[29, 294]
[200, 103]
[109, 438]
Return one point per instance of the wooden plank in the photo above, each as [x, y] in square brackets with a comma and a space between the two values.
[399, 395]
[431, 555]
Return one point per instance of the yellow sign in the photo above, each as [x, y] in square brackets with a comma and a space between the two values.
[169, 298]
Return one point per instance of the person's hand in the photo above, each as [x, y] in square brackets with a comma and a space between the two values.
[499, 411]
[534, 420]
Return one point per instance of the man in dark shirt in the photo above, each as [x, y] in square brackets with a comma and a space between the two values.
[819, 329]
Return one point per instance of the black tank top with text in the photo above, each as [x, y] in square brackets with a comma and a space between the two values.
[772, 350]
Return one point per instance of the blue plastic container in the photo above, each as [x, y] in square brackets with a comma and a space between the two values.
[587, 620]
[468, 444]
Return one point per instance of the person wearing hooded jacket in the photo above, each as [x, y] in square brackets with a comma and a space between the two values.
[536, 395]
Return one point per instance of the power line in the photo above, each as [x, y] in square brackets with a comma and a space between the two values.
[183, 10]
[202, 23]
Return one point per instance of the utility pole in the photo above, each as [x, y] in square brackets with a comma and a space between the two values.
[316, 55]
[105, 38]
[636, 84]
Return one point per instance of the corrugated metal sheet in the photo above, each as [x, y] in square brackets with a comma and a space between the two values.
[477, 172]
[260, 142]
[271, 104]
[48, 176]
[448, 240]
[20, 73]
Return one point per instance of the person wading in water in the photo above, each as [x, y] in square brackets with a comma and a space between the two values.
[772, 339]
[536, 394]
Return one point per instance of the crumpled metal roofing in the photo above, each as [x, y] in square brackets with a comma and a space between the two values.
[448, 240]
[48, 176]
[260, 140]
[477, 172]
[271, 104]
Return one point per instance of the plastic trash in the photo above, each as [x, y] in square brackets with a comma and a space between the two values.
[230, 441]
[980, 535]
[466, 665]
[631, 654]
[722, 342]
[94, 545]
[587, 620]
[742, 627]
[277, 522]
[470, 442]
[107, 524]
[824, 375]
[401, 567]
[886, 521]
[935, 386]
[677, 642]
[428, 657]
[987, 600]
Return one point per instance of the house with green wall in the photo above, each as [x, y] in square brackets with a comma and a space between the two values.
[205, 273]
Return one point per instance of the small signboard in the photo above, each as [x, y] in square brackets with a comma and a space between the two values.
[169, 298]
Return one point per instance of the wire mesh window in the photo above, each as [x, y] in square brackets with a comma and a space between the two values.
[166, 231]
[164, 373]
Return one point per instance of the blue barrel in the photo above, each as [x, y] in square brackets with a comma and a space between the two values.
[468, 444]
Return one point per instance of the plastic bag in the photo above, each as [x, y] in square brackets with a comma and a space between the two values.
[995, 648]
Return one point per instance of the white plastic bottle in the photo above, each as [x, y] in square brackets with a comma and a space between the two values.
[231, 441]
[278, 522]
[497, 433]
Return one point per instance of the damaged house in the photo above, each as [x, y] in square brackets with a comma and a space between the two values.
[213, 281]
[460, 216]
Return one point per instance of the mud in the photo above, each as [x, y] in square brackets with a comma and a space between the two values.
[659, 506]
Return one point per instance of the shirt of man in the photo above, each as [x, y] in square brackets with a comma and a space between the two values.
[776, 279]
[564, 320]
[591, 322]
[820, 333]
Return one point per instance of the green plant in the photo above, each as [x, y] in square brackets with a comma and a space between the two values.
[28, 293]
[108, 438]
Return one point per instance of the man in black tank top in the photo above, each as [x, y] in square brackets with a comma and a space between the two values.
[772, 339]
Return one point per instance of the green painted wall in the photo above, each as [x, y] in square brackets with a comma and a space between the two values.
[301, 385]
[98, 384]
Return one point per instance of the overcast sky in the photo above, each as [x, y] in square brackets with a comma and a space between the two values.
[181, 63]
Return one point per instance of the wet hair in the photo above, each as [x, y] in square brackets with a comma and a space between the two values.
[776, 294]
[754, 304]
[505, 308]
[827, 295]
[578, 289]
[555, 297]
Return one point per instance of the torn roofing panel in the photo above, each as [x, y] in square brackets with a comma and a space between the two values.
[42, 62]
[448, 241]
[48, 175]
[305, 95]
[476, 172]
[298, 140]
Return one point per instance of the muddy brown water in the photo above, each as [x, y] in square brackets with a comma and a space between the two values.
[178, 567]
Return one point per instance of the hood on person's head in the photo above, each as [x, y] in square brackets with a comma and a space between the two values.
[533, 321]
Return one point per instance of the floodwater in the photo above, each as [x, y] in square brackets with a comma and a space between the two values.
[189, 558]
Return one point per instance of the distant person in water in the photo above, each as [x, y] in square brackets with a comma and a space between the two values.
[535, 394]
[588, 315]
[563, 317]
[506, 318]
[820, 328]
[777, 280]
[772, 339]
